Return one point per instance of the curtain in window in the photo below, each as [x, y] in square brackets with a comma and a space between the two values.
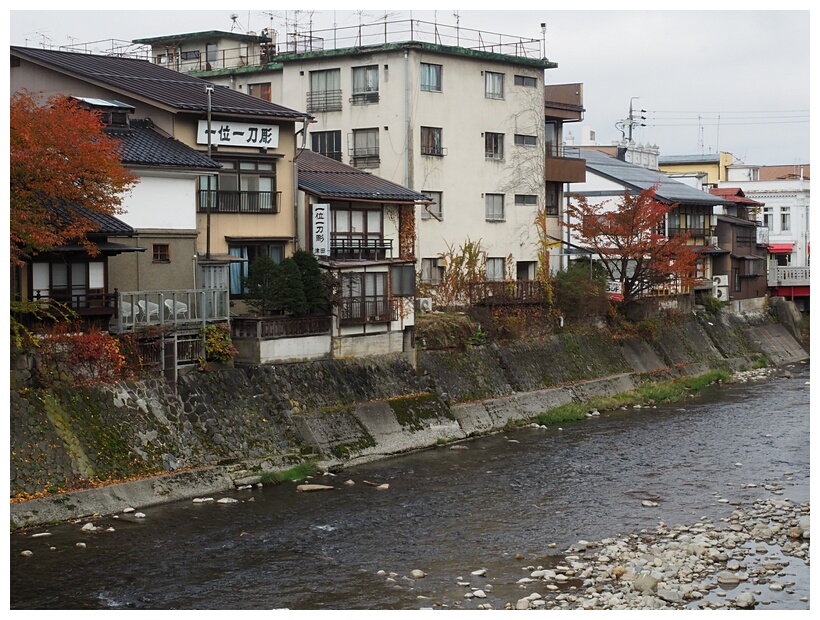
[238, 270]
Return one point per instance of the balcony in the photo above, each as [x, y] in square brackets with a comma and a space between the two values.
[324, 101]
[360, 249]
[368, 309]
[172, 309]
[563, 164]
[789, 276]
[507, 292]
[233, 201]
[280, 327]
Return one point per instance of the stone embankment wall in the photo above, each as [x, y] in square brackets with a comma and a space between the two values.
[232, 426]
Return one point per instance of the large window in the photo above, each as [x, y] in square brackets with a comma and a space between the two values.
[325, 91]
[365, 85]
[364, 298]
[768, 217]
[358, 233]
[364, 148]
[494, 207]
[493, 85]
[243, 186]
[551, 139]
[328, 143]
[431, 141]
[494, 145]
[260, 90]
[250, 250]
[433, 211]
[77, 284]
[431, 77]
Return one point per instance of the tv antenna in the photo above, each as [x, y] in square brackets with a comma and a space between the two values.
[234, 23]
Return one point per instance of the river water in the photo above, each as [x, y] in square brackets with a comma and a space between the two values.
[500, 503]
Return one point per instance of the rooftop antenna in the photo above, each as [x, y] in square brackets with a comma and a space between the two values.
[543, 39]
[234, 17]
[458, 22]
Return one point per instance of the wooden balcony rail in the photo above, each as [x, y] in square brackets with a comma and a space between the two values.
[263, 328]
[83, 303]
[234, 201]
[507, 292]
[368, 309]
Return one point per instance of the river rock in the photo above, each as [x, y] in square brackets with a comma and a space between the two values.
[745, 600]
[417, 574]
[26, 553]
[306, 488]
[479, 573]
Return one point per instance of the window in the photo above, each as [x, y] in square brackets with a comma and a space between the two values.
[494, 145]
[432, 271]
[433, 211]
[364, 298]
[493, 85]
[495, 269]
[210, 54]
[242, 186]
[431, 77]
[526, 200]
[552, 197]
[523, 140]
[785, 219]
[260, 91]
[403, 280]
[325, 91]
[328, 143]
[551, 139]
[364, 148]
[162, 59]
[526, 80]
[357, 233]
[192, 55]
[78, 284]
[250, 251]
[494, 207]
[768, 217]
[162, 253]
[431, 141]
[736, 278]
[365, 85]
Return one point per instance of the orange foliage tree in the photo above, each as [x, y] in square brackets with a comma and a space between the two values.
[63, 169]
[631, 243]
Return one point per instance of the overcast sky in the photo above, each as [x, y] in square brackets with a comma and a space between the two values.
[709, 80]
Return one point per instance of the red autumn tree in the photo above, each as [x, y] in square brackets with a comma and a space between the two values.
[63, 169]
[631, 243]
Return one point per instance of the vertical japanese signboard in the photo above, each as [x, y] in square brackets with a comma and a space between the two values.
[320, 231]
[615, 290]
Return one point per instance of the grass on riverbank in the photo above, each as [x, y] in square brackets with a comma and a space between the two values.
[294, 474]
[648, 394]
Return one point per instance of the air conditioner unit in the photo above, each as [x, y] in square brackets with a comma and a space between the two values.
[424, 304]
[720, 287]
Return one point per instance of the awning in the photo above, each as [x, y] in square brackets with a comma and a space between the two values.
[747, 257]
[781, 248]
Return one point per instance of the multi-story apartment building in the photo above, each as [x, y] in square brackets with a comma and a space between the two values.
[460, 115]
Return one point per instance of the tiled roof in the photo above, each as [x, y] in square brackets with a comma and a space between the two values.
[106, 224]
[144, 144]
[711, 158]
[147, 81]
[327, 178]
[639, 179]
[734, 194]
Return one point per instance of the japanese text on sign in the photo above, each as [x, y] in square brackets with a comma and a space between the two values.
[238, 134]
[321, 230]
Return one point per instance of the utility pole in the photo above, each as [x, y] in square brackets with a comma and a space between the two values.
[209, 91]
[626, 125]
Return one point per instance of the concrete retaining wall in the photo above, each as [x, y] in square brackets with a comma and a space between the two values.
[240, 422]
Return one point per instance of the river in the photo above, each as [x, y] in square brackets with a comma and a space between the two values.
[501, 503]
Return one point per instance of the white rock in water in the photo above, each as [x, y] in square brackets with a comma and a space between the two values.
[304, 488]
[227, 500]
[349, 483]
[417, 574]
[27, 553]
[81, 545]
[745, 600]
[139, 515]
[479, 594]
[383, 487]
[41, 534]
[199, 500]
[88, 527]
[480, 572]
[126, 510]
[649, 503]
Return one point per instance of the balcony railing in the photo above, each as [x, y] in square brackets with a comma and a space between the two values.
[507, 292]
[176, 309]
[789, 276]
[262, 328]
[360, 249]
[324, 101]
[83, 303]
[234, 201]
[368, 309]
[559, 150]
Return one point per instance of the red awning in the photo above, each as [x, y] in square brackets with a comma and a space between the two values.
[781, 248]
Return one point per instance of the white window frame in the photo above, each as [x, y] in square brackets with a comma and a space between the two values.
[495, 268]
[433, 211]
[494, 207]
[493, 85]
